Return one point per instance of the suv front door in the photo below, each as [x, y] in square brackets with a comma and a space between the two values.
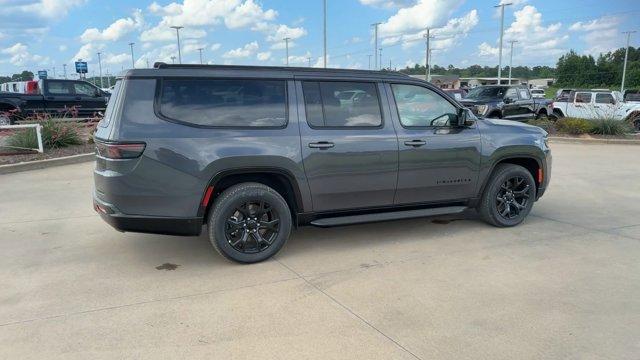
[349, 147]
[511, 108]
[438, 161]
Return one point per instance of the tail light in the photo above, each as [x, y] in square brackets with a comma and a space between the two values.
[32, 87]
[119, 150]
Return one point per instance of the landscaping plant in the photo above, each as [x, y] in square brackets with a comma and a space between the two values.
[574, 126]
[610, 127]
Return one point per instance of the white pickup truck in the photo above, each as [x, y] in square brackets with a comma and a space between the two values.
[597, 104]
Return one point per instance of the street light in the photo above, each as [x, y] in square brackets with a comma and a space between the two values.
[324, 29]
[286, 45]
[200, 50]
[64, 66]
[511, 61]
[173, 59]
[100, 67]
[375, 44]
[178, 37]
[133, 62]
[501, 6]
[626, 55]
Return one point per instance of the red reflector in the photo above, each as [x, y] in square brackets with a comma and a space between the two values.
[100, 209]
[540, 176]
[207, 196]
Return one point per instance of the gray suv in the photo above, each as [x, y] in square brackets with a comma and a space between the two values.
[256, 151]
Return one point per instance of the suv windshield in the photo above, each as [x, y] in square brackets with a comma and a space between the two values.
[632, 95]
[486, 93]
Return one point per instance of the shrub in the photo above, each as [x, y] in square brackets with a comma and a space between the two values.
[546, 124]
[55, 134]
[610, 127]
[573, 126]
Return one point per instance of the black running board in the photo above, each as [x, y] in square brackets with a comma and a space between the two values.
[386, 216]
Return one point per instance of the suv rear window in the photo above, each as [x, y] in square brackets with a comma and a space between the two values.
[225, 102]
[341, 104]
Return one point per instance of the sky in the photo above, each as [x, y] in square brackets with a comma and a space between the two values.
[45, 34]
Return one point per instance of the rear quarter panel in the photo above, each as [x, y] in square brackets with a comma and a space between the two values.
[179, 161]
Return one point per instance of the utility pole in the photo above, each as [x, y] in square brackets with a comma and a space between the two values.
[147, 59]
[389, 64]
[200, 50]
[324, 12]
[133, 61]
[427, 54]
[54, 72]
[64, 66]
[286, 46]
[511, 60]
[375, 44]
[309, 59]
[626, 55]
[173, 59]
[100, 68]
[380, 57]
[429, 69]
[369, 61]
[501, 6]
[178, 37]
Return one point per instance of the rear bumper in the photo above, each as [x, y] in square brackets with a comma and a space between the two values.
[147, 224]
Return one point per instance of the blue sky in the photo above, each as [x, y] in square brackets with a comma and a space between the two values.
[43, 34]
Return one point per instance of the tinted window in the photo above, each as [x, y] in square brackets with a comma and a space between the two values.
[59, 87]
[419, 106]
[219, 102]
[524, 94]
[512, 94]
[341, 104]
[583, 97]
[486, 93]
[84, 89]
[605, 98]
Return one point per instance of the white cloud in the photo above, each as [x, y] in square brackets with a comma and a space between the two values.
[87, 52]
[62, 48]
[248, 13]
[425, 13]
[116, 59]
[48, 9]
[487, 50]
[279, 32]
[243, 52]
[601, 35]
[264, 56]
[388, 3]
[216, 46]
[19, 55]
[165, 33]
[116, 30]
[299, 59]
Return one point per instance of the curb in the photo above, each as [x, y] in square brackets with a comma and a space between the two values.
[564, 140]
[47, 163]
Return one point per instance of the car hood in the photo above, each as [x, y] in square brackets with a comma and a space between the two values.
[514, 125]
[473, 102]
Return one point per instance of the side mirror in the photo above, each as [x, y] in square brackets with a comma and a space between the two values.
[465, 117]
[507, 100]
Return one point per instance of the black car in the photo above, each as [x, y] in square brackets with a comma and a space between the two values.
[53, 96]
[506, 102]
[253, 152]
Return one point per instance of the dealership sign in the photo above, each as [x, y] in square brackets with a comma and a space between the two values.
[81, 67]
[42, 74]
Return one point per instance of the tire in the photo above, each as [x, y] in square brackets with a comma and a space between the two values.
[5, 120]
[492, 210]
[542, 116]
[242, 223]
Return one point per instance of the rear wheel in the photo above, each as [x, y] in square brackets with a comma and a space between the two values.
[5, 119]
[508, 197]
[249, 222]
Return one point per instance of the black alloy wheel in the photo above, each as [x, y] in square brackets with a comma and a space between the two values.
[512, 197]
[252, 227]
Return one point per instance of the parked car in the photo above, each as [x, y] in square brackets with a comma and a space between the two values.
[598, 104]
[537, 93]
[506, 102]
[53, 96]
[22, 87]
[632, 96]
[457, 94]
[256, 151]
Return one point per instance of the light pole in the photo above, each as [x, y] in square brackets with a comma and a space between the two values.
[380, 57]
[100, 69]
[200, 50]
[178, 37]
[64, 66]
[375, 43]
[369, 56]
[147, 59]
[501, 6]
[626, 55]
[286, 46]
[324, 29]
[309, 59]
[511, 60]
[173, 59]
[133, 62]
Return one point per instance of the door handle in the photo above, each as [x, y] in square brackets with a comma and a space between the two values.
[415, 143]
[321, 145]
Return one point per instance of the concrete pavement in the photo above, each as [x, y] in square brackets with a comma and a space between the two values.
[565, 284]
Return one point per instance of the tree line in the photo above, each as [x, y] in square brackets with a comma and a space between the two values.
[572, 70]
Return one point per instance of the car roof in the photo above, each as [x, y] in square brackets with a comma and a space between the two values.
[284, 72]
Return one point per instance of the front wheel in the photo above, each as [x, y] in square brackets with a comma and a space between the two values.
[249, 222]
[508, 197]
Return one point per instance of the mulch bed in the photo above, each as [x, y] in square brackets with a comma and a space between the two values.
[48, 154]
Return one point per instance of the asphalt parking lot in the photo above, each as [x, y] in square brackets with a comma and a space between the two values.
[566, 284]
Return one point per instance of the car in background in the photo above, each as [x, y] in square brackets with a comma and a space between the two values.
[598, 104]
[20, 87]
[632, 96]
[511, 102]
[457, 94]
[537, 93]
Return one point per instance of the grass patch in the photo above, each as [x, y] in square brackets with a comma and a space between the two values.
[55, 134]
[574, 126]
[610, 127]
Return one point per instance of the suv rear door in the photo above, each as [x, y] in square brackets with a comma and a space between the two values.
[59, 95]
[349, 146]
[437, 162]
[88, 98]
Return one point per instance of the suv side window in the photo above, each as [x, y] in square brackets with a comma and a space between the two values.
[584, 98]
[604, 98]
[419, 106]
[225, 102]
[524, 94]
[59, 87]
[341, 104]
[512, 94]
[84, 89]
